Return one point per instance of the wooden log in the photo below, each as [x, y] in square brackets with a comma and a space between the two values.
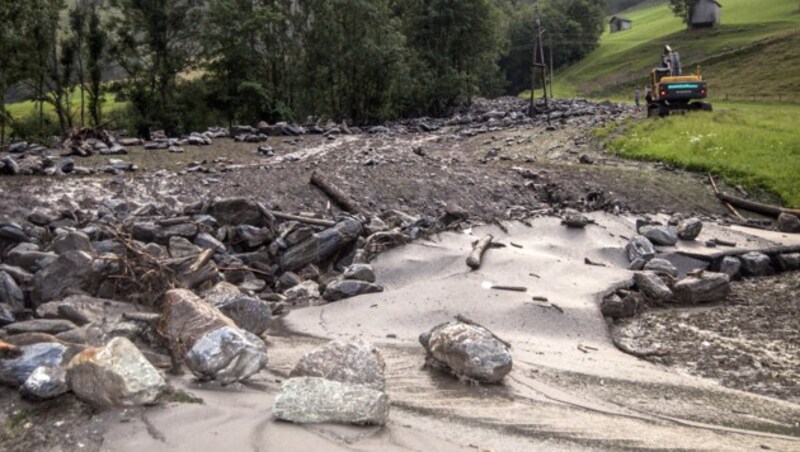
[303, 219]
[338, 195]
[321, 246]
[757, 207]
[475, 258]
[771, 251]
[511, 288]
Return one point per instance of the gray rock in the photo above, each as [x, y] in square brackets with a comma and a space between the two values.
[706, 288]
[220, 292]
[71, 241]
[10, 293]
[660, 235]
[6, 315]
[788, 223]
[755, 264]
[236, 211]
[156, 250]
[253, 236]
[788, 262]
[185, 230]
[46, 383]
[661, 266]
[731, 266]
[19, 274]
[617, 307]
[640, 247]
[115, 375]
[208, 241]
[227, 355]
[354, 362]
[690, 229]
[41, 217]
[181, 247]
[653, 287]
[9, 166]
[250, 314]
[71, 270]
[468, 351]
[306, 400]
[360, 272]
[14, 233]
[637, 265]
[339, 290]
[15, 371]
[289, 279]
[47, 326]
[28, 257]
[305, 290]
[82, 309]
[576, 220]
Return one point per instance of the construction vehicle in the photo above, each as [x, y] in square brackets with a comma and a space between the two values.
[670, 90]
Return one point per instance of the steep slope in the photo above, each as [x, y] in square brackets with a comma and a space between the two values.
[753, 53]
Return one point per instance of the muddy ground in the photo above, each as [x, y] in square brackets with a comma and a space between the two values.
[749, 343]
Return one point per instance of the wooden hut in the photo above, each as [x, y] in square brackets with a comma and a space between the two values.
[619, 23]
[706, 14]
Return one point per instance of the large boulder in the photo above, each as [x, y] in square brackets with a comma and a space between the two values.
[44, 354]
[467, 350]
[236, 211]
[186, 318]
[227, 355]
[72, 270]
[660, 235]
[115, 375]
[788, 223]
[618, 307]
[704, 288]
[315, 400]
[690, 229]
[355, 362]
[653, 287]
[788, 262]
[29, 257]
[755, 264]
[640, 247]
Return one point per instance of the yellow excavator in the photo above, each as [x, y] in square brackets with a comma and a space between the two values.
[670, 90]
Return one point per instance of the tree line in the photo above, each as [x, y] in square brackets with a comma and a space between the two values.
[181, 65]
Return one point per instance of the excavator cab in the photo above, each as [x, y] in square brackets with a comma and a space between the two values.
[672, 90]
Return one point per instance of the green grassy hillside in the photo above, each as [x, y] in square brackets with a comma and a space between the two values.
[752, 55]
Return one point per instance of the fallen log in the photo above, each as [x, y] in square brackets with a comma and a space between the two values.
[475, 258]
[321, 246]
[302, 219]
[338, 195]
[752, 206]
[511, 288]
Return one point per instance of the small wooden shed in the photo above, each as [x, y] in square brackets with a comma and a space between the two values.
[619, 23]
[706, 14]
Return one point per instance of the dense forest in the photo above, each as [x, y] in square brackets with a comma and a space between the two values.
[181, 65]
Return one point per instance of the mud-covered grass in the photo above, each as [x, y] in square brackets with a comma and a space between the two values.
[750, 342]
[750, 144]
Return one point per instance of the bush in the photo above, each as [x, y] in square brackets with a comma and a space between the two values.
[29, 128]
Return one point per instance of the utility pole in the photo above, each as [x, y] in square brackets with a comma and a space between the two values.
[552, 79]
[538, 62]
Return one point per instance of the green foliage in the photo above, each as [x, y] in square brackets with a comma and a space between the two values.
[756, 145]
[33, 128]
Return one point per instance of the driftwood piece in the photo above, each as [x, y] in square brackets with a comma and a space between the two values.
[475, 258]
[727, 204]
[321, 246]
[511, 288]
[199, 271]
[337, 194]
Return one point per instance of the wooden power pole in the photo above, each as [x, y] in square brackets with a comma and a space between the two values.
[538, 64]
